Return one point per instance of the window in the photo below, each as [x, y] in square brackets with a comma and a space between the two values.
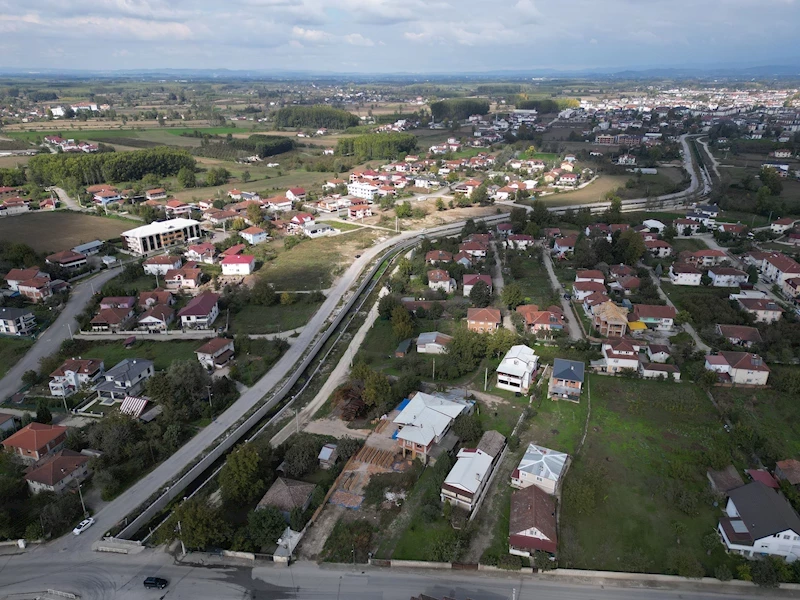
[786, 537]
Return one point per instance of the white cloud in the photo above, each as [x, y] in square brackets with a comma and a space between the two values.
[356, 39]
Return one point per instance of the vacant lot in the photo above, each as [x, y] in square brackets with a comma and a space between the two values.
[54, 231]
[272, 319]
[639, 484]
[11, 350]
[161, 353]
[688, 245]
[594, 192]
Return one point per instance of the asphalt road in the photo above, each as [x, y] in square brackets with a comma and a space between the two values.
[51, 339]
[573, 327]
[111, 576]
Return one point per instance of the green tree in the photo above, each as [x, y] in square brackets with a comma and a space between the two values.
[30, 377]
[186, 177]
[402, 325]
[200, 524]
[764, 573]
[770, 178]
[468, 428]
[241, 479]
[387, 305]
[511, 296]
[403, 211]
[377, 389]
[752, 274]
[480, 194]
[43, 414]
[500, 342]
[301, 458]
[266, 525]
[254, 214]
[246, 176]
[480, 295]
[440, 204]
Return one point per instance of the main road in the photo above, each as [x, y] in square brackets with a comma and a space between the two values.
[108, 577]
[51, 339]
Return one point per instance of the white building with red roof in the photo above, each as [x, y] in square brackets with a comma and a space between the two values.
[239, 264]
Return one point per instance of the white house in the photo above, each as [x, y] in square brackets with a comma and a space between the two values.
[439, 279]
[470, 280]
[297, 194]
[618, 355]
[238, 264]
[515, 371]
[760, 521]
[685, 274]
[727, 277]
[541, 467]
[653, 224]
[424, 421]
[200, 312]
[254, 235]
[466, 482]
[741, 368]
[783, 225]
[362, 189]
[74, 374]
[433, 342]
[565, 245]
[216, 353]
[159, 265]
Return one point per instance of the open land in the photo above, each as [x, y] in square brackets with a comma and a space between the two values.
[63, 229]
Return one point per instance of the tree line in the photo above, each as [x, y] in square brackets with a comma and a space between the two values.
[315, 116]
[458, 108]
[377, 145]
[87, 169]
[264, 145]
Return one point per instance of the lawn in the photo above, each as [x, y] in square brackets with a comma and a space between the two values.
[254, 319]
[11, 350]
[594, 192]
[314, 264]
[535, 283]
[688, 245]
[49, 232]
[639, 483]
[161, 353]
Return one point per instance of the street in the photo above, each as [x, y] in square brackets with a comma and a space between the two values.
[110, 576]
[573, 327]
[58, 331]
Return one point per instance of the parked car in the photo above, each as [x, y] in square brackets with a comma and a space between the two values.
[83, 526]
[155, 583]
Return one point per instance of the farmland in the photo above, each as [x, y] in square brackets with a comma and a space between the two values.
[48, 232]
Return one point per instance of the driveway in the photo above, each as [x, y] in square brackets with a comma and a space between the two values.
[573, 327]
[498, 284]
[50, 340]
[702, 346]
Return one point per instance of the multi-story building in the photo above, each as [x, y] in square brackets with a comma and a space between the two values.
[159, 235]
[17, 321]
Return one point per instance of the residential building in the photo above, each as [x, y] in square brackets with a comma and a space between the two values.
[36, 289]
[565, 245]
[187, 277]
[778, 267]
[89, 248]
[759, 522]
[740, 335]
[741, 368]
[176, 208]
[609, 319]
[474, 249]
[204, 253]
[654, 316]
[658, 353]
[127, 378]
[727, 277]
[287, 495]
[763, 309]
[532, 522]
[156, 194]
[359, 209]
[685, 274]
[566, 380]
[215, 353]
[469, 282]
[434, 257]
[540, 467]
[783, 225]
[590, 275]
[658, 248]
[160, 235]
[240, 264]
[279, 203]
[707, 258]
[17, 276]
[154, 298]
[111, 320]
[160, 265]
[127, 302]
[582, 289]
[791, 287]
[200, 312]
[296, 194]
[299, 220]
[659, 371]
[433, 342]
[362, 189]
[73, 374]
[515, 372]
[439, 279]
[618, 355]
[67, 259]
[17, 321]
[542, 322]
[35, 441]
[483, 320]
[254, 235]
[465, 484]
[424, 421]
[58, 472]
[521, 241]
[156, 318]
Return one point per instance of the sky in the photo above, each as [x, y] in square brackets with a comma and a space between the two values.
[390, 36]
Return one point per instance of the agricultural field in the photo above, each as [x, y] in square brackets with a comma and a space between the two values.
[640, 481]
[594, 192]
[49, 232]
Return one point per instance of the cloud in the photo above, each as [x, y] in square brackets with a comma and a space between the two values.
[315, 36]
[356, 39]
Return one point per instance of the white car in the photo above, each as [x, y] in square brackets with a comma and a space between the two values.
[83, 526]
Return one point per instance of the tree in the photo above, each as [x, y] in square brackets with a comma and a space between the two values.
[403, 211]
[387, 305]
[266, 525]
[246, 176]
[615, 208]
[200, 524]
[254, 214]
[468, 428]
[263, 293]
[402, 326]
[629, 247]
[480, 195]
[770, 178]
[43, 414]
[752, 274]
[187, 177]
[480, 295]
[30, 377]
[512, 296]
[764, 573]
[241, 479]
[301, 457]
[500, 342]
[377, 389]
[439, 204]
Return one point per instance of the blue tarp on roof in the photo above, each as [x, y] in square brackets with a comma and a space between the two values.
[403, 404]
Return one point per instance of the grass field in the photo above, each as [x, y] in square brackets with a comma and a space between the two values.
[54, 231]
[593, 192]
[272, 319]
[130, 130]
[314, 264]
[688, 245]
[11, 350]
[535, 285]
[643, 469]
[161, 353]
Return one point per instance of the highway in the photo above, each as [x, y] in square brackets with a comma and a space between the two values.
[111, 576]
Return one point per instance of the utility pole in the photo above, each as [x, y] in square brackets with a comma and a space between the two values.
[85, 514]
[434, 369]
[296, 421]
[211, 406]
[69, 326]
[180, 537]
[486, 380]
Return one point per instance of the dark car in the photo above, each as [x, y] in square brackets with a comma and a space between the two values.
[155, 583]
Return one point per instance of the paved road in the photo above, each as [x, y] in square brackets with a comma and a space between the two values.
[573, 327]
[106, 577]
[51, 339]
[65, 199]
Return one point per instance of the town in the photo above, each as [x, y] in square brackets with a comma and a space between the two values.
[539, 328]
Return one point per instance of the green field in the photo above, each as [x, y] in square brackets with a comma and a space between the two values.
[11, 350]
[123, 131]
[535, 283]
[639, 483]
[161, 353]
[254, 319]
[687, 245]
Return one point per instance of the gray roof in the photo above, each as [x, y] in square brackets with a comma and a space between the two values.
[764, 511]
[12, 314]
[492, 443]
[87, 246]
[570, 370]
[125, 370]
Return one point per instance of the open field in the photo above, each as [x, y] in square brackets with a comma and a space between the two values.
[640, 481]
[688, 244]
[254, 319]
[162, 353]
[11, 350]
[104, 130]
[313, 264]
[593, 192]
[54, 231]
[535, 283]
